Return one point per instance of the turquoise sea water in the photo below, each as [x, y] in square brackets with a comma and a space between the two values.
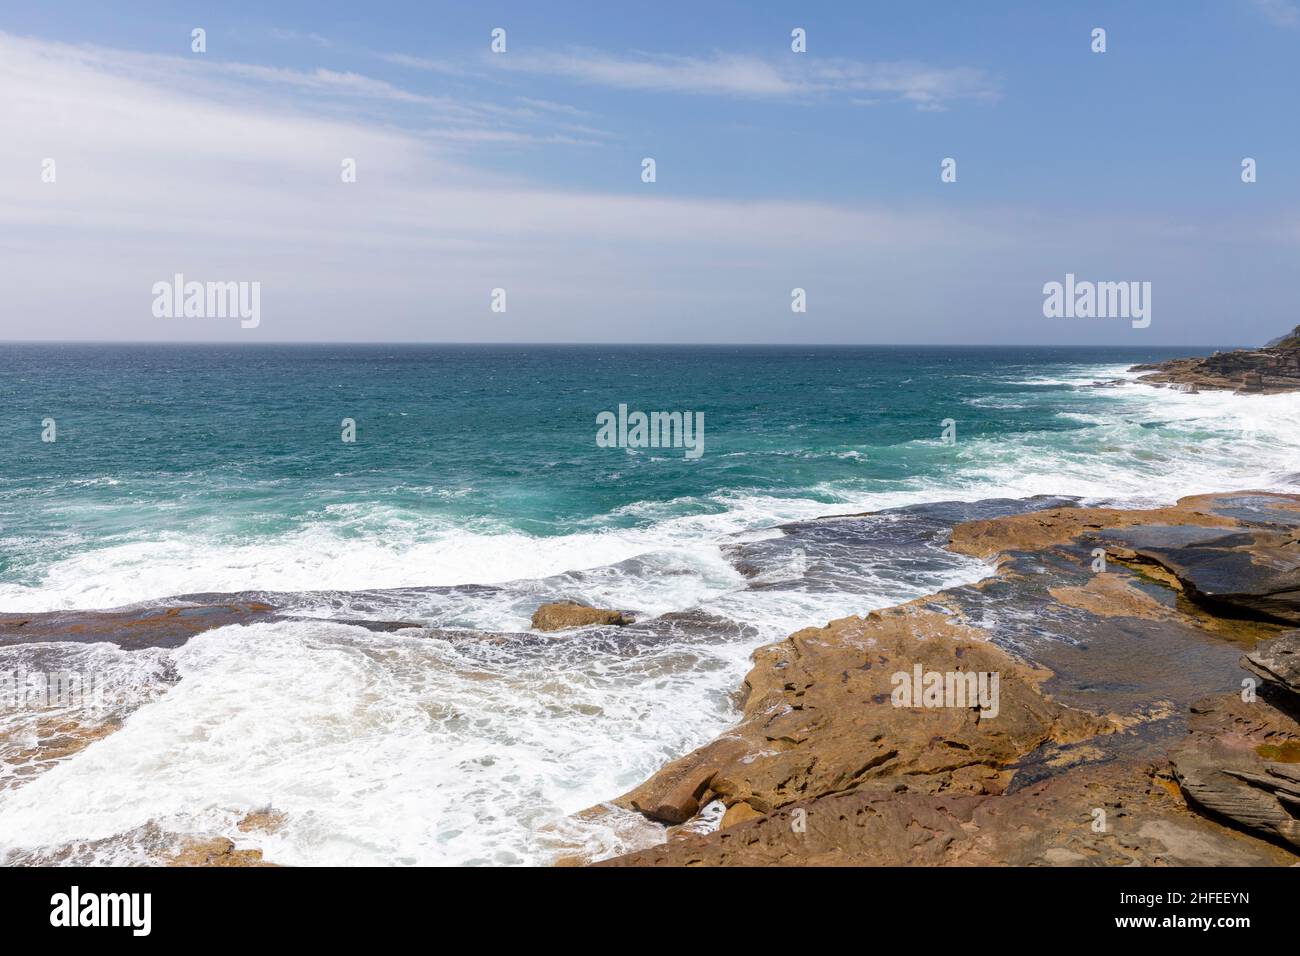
[240, 447]
[475, 491]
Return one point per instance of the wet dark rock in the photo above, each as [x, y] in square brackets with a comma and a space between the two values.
[1277, 661]
[132, 627]
[1253, 573]
[159, 625]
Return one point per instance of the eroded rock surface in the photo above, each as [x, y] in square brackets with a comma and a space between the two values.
[1278, 662]
[1242, 763]
[1120, 735]
[819, 719]
[1054, 822]
[1105, 636]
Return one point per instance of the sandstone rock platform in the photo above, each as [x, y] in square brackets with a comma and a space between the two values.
[1122, 735]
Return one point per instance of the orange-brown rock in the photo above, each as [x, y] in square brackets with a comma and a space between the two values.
[1109, 595]
[823, 768]
[562, 615]
[263, 821]
[1054, 822]
[35, 745]
[819, 718]
[739, 813]
[1040, 529]
[216, 852]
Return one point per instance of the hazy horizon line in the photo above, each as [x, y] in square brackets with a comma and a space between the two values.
[588, 344]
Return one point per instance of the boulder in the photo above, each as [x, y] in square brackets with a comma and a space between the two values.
[268, 820]
[739, 813]
[561, 615]
[821, 717]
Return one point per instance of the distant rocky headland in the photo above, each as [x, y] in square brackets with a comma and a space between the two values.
[1274, 368]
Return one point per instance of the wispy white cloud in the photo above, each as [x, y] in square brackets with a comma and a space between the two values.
[927, 87]
[165, 167]
[422, 63]
[722, 74]
[551, 106]
[321, 91]
[321, 80]
[462, 119]
[296, 36]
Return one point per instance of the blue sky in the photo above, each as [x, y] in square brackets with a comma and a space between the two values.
[775, 170]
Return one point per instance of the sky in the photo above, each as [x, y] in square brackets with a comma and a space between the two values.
[775, 170]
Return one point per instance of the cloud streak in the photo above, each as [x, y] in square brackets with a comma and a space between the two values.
[925, 86]
[422, 63]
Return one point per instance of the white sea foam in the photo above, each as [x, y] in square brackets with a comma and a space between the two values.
[1147, 446]
[378, 748]
[1080, 376]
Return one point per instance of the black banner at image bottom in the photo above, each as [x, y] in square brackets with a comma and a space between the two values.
[334, 905]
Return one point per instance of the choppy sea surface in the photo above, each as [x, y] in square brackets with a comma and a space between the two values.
[475, 490]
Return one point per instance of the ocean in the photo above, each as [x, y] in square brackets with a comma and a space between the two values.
[476, 490]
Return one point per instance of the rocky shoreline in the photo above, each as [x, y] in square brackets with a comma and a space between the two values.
[1269, 370]
[1121, 733]
[1147, 714]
